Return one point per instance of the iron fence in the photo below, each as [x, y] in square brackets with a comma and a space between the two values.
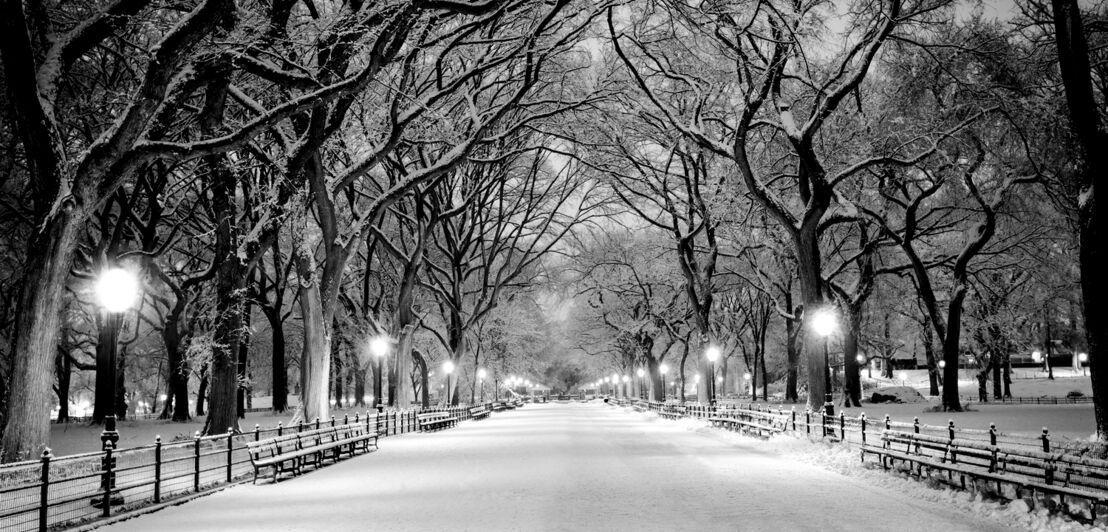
[59, 492]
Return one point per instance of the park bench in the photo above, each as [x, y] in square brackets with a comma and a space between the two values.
[761, 424]
[291, 452]
[1023, 469]
[675, 412]
[478, 412]
[435, 421]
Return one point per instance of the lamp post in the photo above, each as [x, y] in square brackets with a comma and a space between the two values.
[712, 354]
[824, 323]
[626, 386]
[117, 290]
[481, 374]
[379, 346]
[448, 369]
[1082, 358]
[746, 383]
[642, 385]
[663, 369]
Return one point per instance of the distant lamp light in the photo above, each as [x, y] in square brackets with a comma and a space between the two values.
[640, 372]
[367, 398]
[448, 367]
[824, 322]
[1083, 357]
[626, 378]
[481, 374]
[663, 369]
[712, 353]
[697, 379]
[1037, 356]
[942, 363]
[861, 359]
[379, 346]
[719, 379]
[746, 376]
[904, 376]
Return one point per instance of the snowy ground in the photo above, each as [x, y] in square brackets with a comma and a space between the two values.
[573, 467]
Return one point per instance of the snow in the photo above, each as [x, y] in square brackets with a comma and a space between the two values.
[585, 467]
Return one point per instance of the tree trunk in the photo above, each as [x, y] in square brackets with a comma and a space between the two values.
[241, 369]
[64, 369]
[1073, 60]
[933, 374]
[315, 362]
[202, 391]
[792, 358]
[280, 377]
[404, 395]
[852, 375]
[177, 386]
[951, 343]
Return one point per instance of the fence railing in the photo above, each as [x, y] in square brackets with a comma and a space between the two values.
[54, 492]
[1090, 474]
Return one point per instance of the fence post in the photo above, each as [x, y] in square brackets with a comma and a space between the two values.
[823, 421]
[808, 421]
[317, 422]
[257, 431]
[158, 468]
[794, 418]
[332, 421]
[842, 425]
[950, 429]
[915, 424]
[279, 428]
[346, 419]
[1048, 471]
[992, 434]
[300, 425]
[44, 491]
[230, 451]
[196, 462]
[109, 478]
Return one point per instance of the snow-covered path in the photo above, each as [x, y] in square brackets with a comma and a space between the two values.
[562, 467]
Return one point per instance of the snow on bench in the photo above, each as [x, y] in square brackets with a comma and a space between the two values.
[291, 452]
[435, 421]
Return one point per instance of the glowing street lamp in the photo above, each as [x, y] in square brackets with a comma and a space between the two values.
[379, 347]
[448, 367]
[662, 370]
[712, 354]
[904, 378]
[117, 290]
[824, 323]
[481, 374]
[1082, 358]
[642, 385]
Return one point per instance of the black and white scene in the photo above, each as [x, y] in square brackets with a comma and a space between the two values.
[553, 265]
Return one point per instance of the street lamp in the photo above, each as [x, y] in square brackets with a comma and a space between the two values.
[662, 370]
[746, 382]
[481, 374]
[117, 290]
[712, 354]
[904, 378]
[1082, 358]
[626, 388]
[823, 324]
[642, 384]
[379, 346]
